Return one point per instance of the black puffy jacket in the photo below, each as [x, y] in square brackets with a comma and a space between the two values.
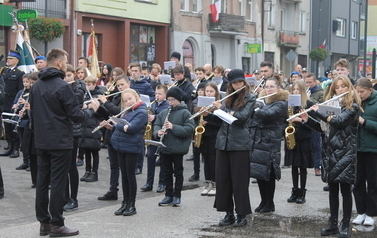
[266, 129]
[79, 89]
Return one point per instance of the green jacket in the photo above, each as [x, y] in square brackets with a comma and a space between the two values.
[177, 140]
[367, 133]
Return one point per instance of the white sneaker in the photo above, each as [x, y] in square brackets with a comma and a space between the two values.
[369, 221]
[207, 188]
[359, 219]
[213, 190]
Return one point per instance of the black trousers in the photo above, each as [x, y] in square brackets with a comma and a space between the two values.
[127, 164]
[114, 168]
[53, 165]
[89, 154]
[12, 137]
[1, 184]
[232, 181]
[140, 159]
[365, 187]
[151, 150]
[73, 173]
[209, 166]
[345, 189]
[196, 153]
[173, 165]
[317, 149]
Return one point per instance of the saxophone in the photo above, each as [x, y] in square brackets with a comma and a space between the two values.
[199, 130]
[290, 132]
[148, 128]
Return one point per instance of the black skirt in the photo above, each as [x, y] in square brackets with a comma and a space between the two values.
[301, 155]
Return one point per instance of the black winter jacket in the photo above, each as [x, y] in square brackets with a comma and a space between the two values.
[266, 129]
[339, 146]
[54, 106]
[79, 89]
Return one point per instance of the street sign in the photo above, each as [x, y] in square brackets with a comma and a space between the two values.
[254, 48]
[291, 56]
[26, 14]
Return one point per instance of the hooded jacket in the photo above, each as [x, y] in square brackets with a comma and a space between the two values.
[143, 87]
[178, 139]
[54, 107]
[367, 132]
[266, 129]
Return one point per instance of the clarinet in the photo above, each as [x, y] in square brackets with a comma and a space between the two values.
[164, 129]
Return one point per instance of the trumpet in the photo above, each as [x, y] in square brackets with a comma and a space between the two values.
[209, 107]
[108, 121]
[110, 95]
[164, 130]
[173, 85]
[308, 110]
[262, 82]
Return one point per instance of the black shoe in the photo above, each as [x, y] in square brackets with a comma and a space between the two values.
[176, 202]
[241, 221]
[93, 177]
[57, 231]
[254, 181]
[33, 185]
[146, 188]
[122, 208]
[15, 154]
[326, 188]
[261, 205]
[71, 205]
[166, 201]
[22, 166]
[86, 175]
[344, 231]
[332, 228]
[6, 152]
[190, 158]
[160, 189]
[137, 171]
[103, 145]
[109, 196]
[294, 195]
[158, 162]
[229, 219]
[269, 207]
[28, 169]
[80, 162]
[44, 229]
[301, 196]
[194, 178]
[130, 209]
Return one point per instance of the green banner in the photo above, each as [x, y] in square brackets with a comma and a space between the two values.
[254, 48]
[5, 17]
[26, 14]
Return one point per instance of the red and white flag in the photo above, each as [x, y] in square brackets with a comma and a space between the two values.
[323, 45]
[215, 10]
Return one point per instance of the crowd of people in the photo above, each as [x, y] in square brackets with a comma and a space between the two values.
[61, 117]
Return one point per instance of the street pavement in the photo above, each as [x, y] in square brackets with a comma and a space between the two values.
[196, 216]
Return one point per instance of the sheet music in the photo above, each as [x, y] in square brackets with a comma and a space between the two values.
[329, 110]
[294, 100]
[121, 121]
[145, 99]
[225, 116]
[165, 79]
[169, 65]
[205, 101]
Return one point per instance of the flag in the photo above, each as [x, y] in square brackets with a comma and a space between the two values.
[215, 10]
[323, 45]
[92, 55]
[27, 59]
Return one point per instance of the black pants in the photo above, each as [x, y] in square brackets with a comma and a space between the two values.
[295, 177]
[140, 159]
[52, 164]
[209, 166]
[173, 165]
[317, 149]
[127, 164]
[151, 150]
[366, 196]
[232, 181]
[114, 168]
[73, 173]
[345, 189]
[196, 153]
[1, 184]
[88, 160]
[12, 137]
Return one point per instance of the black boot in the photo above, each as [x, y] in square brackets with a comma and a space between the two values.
[130, 209]
[301, 196]
[241, 221]
[9, 150]
[294, 195]
[262, 191]
[345, 231]
[229, 219]
[270, 192]
[15, 153]
[332, 228]
[122, 208]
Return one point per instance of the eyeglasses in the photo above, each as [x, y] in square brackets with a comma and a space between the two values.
[270, 87]
[171, 100]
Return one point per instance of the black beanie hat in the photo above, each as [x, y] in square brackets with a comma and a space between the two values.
[176, 54]
[235, 75]
[175, 92]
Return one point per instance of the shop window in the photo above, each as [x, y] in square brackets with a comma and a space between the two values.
[143, 45]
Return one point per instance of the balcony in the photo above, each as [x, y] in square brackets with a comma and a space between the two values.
[294, 1]
[227, 24]
[56, 8]
[289, 39]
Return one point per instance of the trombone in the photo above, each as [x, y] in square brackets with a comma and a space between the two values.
[308, 110]
[108, 121]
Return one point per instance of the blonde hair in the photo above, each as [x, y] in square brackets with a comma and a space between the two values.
[302, 88]
[134, 93]
[348, 99]
[91, 79]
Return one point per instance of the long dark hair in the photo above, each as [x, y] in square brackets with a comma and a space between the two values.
[105, 77]
[236, 101]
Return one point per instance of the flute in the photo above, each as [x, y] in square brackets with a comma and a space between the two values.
[209, 107]
[108, 121]
[110, 95]
[308, 110]
[261, 84]
[267, 96]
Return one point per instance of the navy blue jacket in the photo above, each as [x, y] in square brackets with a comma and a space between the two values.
[131, 141]
[143, 87]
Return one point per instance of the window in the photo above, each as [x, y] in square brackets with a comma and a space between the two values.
[242, 7]
[341, 27]
[249, 10]
[269, 56]
[354, 30]
[282, 20]
[246, 65]
[302, 22]
[184, 5]
[271, 17]
[188, 53]
[143, 44]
